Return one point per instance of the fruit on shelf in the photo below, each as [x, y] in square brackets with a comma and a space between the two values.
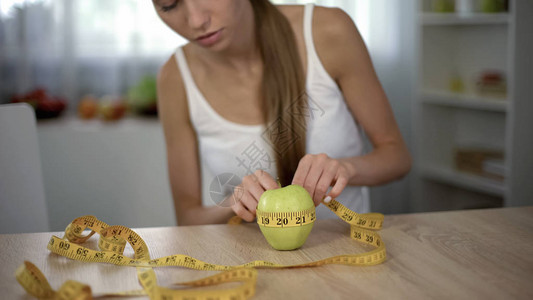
[492, 83]
[44, 105]
[142, 98]
[112, 110]
[292, 198]
[443, 6]
[88, 107]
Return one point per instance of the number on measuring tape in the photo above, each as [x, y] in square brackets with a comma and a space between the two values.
[82, 252]
[64, 245]
[283, 221]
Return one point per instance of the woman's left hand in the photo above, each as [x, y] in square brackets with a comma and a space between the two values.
[317, 172]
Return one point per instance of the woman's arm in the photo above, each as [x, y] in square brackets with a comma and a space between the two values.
[344, 55]
[348, 60]
[182, 152]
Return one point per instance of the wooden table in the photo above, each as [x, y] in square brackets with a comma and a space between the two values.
[481, 254]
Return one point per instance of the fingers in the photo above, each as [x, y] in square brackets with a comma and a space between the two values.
[341, 181]
[251, 189]
[242, 212]
[312, 179]
[326, 180]
[266, 181]
[317, 173]
[254, 185]
[301, 171]
[314, 173]
[249, 202]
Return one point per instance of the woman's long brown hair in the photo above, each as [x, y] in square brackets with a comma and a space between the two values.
[283, 88]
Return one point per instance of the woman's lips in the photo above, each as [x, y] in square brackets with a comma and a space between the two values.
[210, 38]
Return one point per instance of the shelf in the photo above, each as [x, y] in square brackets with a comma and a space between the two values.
[428, 18]
[464, 180]
[460, 45]
[469, 101]
[71, 122]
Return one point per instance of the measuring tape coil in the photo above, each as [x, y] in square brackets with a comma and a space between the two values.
[113, 240]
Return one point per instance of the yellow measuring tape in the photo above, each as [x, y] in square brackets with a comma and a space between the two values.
[286, 219]
[113, 241]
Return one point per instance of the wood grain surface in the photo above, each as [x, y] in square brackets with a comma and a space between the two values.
[480, 254]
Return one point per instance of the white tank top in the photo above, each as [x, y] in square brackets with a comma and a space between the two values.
[227, 148]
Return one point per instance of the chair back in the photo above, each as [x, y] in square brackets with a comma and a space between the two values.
[22, 196]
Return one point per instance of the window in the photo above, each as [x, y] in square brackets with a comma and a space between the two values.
[75, 47]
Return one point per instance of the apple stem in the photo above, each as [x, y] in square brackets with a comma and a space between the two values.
[279, 183]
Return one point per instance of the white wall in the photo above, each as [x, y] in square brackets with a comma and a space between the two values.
[389, 30]
[116, 172]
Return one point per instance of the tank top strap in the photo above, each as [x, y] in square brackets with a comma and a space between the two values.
[316, 72]
[308, 34]
[190, 87]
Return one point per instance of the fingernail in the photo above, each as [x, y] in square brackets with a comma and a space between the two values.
[327, 199]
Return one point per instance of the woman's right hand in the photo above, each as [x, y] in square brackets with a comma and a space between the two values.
[246, 195]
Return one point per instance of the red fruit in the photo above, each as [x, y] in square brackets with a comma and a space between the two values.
[112, 110]
[37, 94]
[45, 106]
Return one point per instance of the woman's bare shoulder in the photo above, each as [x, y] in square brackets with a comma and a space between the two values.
[336, 38]
[171, 94]
[169, 75]
[292, 12]
[324, 18]
[334, 33]
[295, 15]
[332, 22]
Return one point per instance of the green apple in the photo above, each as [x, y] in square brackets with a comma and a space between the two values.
[292, 198]
[143, 96]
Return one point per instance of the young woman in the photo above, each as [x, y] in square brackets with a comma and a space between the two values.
[265, 92]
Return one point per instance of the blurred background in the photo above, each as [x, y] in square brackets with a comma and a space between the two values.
[457, 74]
